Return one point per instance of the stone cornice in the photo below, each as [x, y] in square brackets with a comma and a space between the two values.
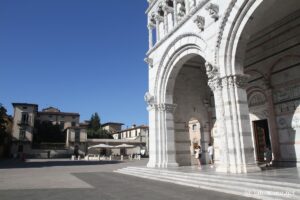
[186, 18]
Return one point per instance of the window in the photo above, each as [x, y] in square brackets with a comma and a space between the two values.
[24, 117]
[77, 135]
[194, 127]
[50, 116]
[73, 124]
[22, 134]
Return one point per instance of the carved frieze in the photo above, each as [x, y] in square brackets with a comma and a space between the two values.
[165, 107]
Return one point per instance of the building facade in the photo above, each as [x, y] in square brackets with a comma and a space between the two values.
[232, 65]
[25, 117]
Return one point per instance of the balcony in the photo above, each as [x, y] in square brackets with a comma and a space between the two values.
[23, 123]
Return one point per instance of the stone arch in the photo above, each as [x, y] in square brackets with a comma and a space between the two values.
[188, 43]
[185, 49]
[235, 18]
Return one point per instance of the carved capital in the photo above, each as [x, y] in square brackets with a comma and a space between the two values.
[168, 108]
[238, 80]
[213, 10]
[158, 18]
[200, 22]
[215, 84]
[151, 25]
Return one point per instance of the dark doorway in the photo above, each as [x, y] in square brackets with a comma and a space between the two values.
[262, 138]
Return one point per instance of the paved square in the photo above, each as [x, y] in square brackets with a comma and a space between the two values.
[63, 179]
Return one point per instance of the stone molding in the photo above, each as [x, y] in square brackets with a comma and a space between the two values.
[165, 107]
[169, 55]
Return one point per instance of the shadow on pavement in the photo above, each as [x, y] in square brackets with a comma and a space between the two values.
[12, 163]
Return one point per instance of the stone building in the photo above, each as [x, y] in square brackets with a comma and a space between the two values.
[25, 117]
[232, 65]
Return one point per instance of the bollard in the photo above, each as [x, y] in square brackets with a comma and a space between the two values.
[121, 157]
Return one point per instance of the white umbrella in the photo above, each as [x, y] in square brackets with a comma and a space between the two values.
[124, 146]
[100, 146]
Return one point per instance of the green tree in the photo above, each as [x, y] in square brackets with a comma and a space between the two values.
[48, 132]
[3, 123]
[95, 123]
[95, 130]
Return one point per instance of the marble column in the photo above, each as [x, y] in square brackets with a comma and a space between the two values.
[220, 137]
[175, 12]
[159, 27]
[150, 30]
[168, 18]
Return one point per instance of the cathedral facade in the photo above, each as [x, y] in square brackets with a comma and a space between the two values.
[234, 67]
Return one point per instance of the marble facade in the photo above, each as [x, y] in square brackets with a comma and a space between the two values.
[230, 65]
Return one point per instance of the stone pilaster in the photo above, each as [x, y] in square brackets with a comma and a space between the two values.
[161, 133]
[239, 138]
[168, 153]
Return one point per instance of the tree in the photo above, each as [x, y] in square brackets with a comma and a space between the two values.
[95, 122]
[48, 132]
[95, 130]
[3, 123]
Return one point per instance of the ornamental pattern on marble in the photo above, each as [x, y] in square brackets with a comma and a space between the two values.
[168, 14]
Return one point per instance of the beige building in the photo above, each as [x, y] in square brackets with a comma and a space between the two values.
[112, 127]
[25, 116]
[135, 133]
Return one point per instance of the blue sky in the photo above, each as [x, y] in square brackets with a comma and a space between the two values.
[81, 56]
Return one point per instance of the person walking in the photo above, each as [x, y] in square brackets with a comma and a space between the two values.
[198, 153]
[210, 151]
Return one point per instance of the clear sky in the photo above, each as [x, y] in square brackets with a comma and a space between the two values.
[80, 56]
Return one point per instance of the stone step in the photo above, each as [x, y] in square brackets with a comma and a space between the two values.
[266, 180]
[220, 184]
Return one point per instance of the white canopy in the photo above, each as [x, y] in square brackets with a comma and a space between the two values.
[124, 146]
[100, 146]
